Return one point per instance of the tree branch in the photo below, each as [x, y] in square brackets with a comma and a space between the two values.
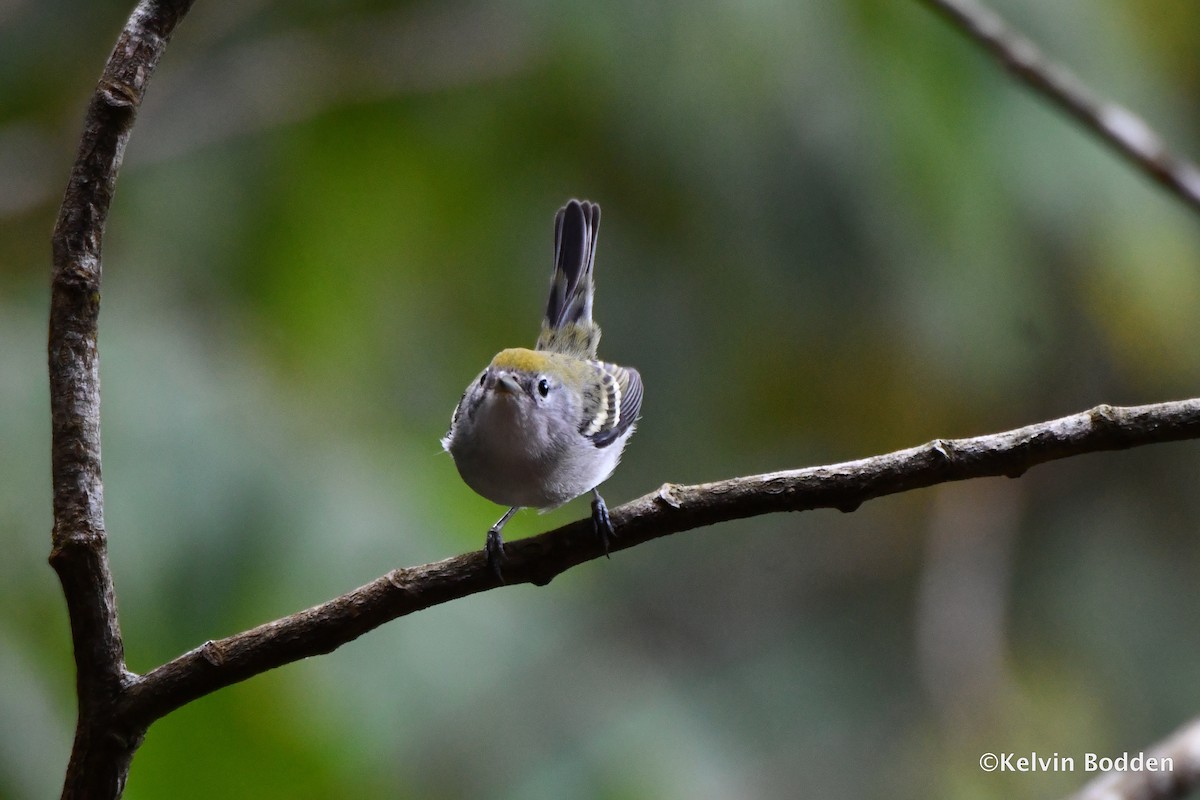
[116, 707]
[672, 509]
[102, 751]
[1182, 747]
[1121, 129]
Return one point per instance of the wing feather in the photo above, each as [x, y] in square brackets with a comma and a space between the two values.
[617, 408]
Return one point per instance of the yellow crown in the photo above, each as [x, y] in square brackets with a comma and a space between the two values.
[521, 360]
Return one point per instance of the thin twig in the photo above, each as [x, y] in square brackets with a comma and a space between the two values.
[671, 509]
[1120, 128]
[102, 750]
[1154, 781]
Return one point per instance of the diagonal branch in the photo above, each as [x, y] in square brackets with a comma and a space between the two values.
[1117, 126]
[101, 754]
[672, 509]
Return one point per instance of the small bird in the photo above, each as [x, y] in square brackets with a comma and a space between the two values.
[540, 427]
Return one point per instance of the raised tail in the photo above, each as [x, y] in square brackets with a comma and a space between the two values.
[568, 326]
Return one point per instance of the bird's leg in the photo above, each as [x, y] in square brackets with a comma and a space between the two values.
[601, 523]
[494, 546]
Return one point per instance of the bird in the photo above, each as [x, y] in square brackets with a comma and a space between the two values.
[538, 428]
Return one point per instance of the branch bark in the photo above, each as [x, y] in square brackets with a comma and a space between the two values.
[103, 748]
[1124, 131]
[671, 509]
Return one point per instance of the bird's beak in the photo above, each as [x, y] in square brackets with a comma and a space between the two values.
[507, 384]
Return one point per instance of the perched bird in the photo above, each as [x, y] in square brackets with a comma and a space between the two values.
[540, 427]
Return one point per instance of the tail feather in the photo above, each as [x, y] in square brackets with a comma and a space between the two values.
[575, 228]
[568, 326]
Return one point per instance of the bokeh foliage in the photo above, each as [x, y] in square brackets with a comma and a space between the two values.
[830, 230]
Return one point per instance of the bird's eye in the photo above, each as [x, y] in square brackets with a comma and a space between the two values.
[482, 377]
[543, 387]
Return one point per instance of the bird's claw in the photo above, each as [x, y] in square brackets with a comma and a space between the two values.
[494, 550]
[601, 523]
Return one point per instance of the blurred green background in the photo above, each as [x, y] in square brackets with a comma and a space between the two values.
[831, 229]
